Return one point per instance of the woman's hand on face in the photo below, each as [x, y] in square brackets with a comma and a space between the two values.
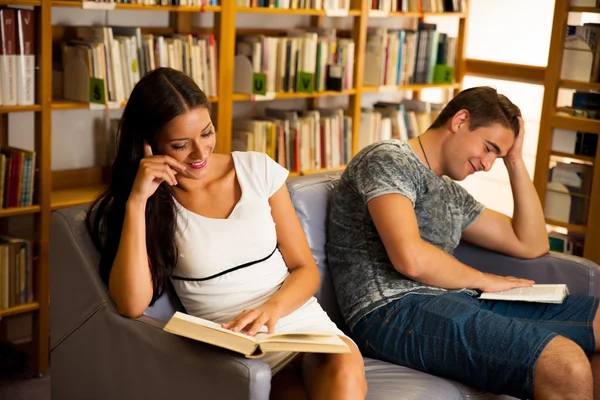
[154, 170]
[250, 321]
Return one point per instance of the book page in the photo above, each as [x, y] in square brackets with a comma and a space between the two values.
[533, 292]
[302, 338]
[209, 324]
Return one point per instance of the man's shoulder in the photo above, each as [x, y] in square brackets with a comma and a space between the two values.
[384, 154]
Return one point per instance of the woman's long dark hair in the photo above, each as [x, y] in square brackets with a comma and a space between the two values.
[156, 99]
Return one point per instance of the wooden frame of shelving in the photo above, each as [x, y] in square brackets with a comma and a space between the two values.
[550, 121]
[59, 189]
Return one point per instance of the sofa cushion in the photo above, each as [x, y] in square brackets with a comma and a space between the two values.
[310, 195]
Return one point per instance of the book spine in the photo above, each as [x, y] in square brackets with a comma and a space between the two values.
[7, 57]
[25, 58]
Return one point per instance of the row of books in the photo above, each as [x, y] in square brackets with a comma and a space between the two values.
[120, 56]
[197, 3]
[325, 61]
[401, 57]
[16, 271]
[298, 140]
[297, 4]
[17, 57]
[401, 120]
[419, 5]
[17, 177]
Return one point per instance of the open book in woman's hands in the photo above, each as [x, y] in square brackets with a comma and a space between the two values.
[536, 293]
[254, 346]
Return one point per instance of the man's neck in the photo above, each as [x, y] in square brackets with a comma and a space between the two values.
[429, 150]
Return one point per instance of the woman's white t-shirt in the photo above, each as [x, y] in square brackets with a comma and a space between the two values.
[228, 265]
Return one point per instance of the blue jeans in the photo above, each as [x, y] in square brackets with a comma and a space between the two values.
[489, 345]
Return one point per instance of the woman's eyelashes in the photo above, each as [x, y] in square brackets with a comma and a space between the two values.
[186, 144]
[181, 147]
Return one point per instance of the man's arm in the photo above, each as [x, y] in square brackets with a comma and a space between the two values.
[524, 235]
[396, 223]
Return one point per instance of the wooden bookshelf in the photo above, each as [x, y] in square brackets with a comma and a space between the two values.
[585, 9]
[550, 120]
[35, 3]
[579, 85]
[22, 309]
[60, 189]
[569, 227]
[16, 109]
[283, 11]
[586, 159]
[293, 95]
[14, 211]
[419, 87]
[138, 7]
[71, 197]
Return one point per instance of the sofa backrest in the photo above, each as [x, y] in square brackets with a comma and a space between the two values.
[310, 196]
[76, 290]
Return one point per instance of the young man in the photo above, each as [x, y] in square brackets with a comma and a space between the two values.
[395, 218]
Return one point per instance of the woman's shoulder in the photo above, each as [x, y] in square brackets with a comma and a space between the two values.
[249, 157]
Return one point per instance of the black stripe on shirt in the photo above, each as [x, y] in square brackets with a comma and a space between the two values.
[180, 278]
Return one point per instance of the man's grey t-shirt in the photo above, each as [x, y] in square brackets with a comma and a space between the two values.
[363, 274]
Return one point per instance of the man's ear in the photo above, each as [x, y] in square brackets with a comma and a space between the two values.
[459, 119]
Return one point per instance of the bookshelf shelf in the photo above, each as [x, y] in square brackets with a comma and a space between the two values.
[14, 211]
[141, 7]
[71, 197]
[69, 105]
[580, 85]
[409, 87]
[35, 3]
[445, 14]
[295, 95]
[576, 123]
[569, 227]
[585, 9]
[381, 14]
[22, 309]
[60, 104]
[284, 11]
[579, 157]
[13, 109]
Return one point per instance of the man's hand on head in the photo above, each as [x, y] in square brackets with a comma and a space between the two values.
[516, 151]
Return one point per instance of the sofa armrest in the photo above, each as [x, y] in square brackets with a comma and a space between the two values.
[580, 275]
[121, 358]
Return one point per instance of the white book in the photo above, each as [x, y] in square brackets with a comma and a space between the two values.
[536, 293]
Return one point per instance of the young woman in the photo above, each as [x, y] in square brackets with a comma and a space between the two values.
[220, 227]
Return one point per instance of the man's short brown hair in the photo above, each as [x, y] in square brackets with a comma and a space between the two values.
[485, 106]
